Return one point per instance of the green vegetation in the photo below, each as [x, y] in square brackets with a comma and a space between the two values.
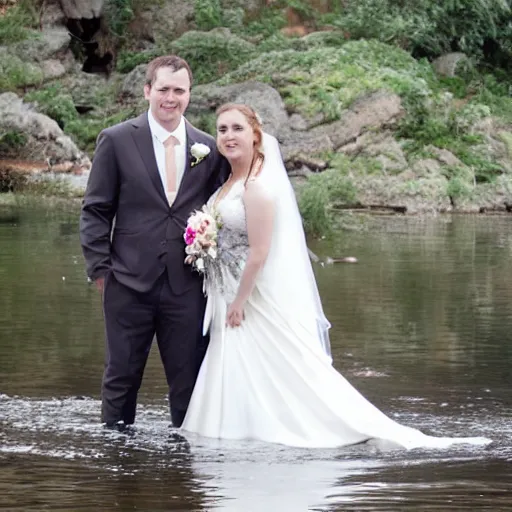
[319, 195]
[46, 187]
[55, 103]
[325, 81]
[212, 54]
[119, 14]
[85, 130]
[128, 60]
[58, 103]
[11, 141]
[17, 22]
[360, 46]
[480, 28]
[208, 14]
[14, 73]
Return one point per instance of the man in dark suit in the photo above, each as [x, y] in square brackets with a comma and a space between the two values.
[148, 175]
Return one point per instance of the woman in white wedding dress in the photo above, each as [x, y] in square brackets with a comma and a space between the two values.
[267, 374]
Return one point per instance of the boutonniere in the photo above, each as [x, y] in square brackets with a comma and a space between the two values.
[198, 152]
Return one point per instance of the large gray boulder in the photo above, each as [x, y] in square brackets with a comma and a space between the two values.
[44, 138]
[77, 9]
[132, 87]
[450, 63]
[404, 193]
[50, 43]
[374, 112]
[265, 100]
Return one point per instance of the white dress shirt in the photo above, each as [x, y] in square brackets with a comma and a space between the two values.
[159, 136]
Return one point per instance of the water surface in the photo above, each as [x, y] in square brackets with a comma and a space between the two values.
[421, 325]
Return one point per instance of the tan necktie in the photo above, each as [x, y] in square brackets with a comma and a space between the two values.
[170, 168]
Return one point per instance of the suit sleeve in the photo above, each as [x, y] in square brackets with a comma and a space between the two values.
[99, 208]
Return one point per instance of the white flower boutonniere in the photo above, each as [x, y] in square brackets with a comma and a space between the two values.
[198, 152]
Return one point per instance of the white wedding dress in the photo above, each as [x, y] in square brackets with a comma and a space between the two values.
[270, 379]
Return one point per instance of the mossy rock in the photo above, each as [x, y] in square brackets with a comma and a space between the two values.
[85, 129]
[54, 102]
[506, 138]
[92, 91]
[82, 105]
[323, 39]
[15, 74]
[325, 81]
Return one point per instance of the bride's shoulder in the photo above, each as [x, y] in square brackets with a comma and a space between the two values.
[259, 188]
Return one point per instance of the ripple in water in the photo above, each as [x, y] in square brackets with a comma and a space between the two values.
[63, 439]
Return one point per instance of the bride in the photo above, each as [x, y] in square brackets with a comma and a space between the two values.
[267, 374]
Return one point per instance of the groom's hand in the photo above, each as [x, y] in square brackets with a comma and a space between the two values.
[100, 282]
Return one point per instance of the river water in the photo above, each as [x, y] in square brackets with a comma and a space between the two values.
[422, 325]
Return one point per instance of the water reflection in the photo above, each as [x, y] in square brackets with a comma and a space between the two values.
[421, 325]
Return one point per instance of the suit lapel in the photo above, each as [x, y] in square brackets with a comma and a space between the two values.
[144, 142]
[186, 182]
[191, 140]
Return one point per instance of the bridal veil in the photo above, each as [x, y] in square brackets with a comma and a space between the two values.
[287, 278]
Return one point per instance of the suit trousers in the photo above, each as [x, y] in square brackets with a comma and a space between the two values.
[132, 320]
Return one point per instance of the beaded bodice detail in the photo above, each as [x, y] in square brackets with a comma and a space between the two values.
[223, 274]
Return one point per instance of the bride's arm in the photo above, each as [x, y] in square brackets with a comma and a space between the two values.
[259, 213]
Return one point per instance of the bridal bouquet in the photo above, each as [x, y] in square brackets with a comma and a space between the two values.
[200, 238]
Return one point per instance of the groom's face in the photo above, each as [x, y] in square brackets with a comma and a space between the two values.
[168, 96]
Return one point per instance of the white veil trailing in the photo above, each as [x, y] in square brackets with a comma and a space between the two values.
[287, 278]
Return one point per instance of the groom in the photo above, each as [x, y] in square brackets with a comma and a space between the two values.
[148, 175]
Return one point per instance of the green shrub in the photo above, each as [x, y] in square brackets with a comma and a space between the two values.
[276, 42]
[333, 38]
[55, 103]
[14, 73]
[431, 28]
[458, 187]
[212, 54]
[119, 14]
[17, 21]
[85, 129]
[207, 14]
[233, 19]
[325, 81]
[11, 141]
[129, 60]
[268, 22]
[318, 196]
[279, 42]
[495, 93]
[506, 138]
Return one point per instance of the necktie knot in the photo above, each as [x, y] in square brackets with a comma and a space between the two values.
[171, 141]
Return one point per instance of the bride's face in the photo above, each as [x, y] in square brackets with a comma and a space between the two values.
[235, 136]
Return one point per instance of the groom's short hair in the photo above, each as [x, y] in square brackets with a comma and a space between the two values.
[166, 61]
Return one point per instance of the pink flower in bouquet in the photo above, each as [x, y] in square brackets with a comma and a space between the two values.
[200, 237]
[190, 235]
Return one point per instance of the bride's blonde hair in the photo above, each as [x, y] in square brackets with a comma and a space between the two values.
[254, 122]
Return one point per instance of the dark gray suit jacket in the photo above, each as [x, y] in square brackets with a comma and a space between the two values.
[125, 185]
